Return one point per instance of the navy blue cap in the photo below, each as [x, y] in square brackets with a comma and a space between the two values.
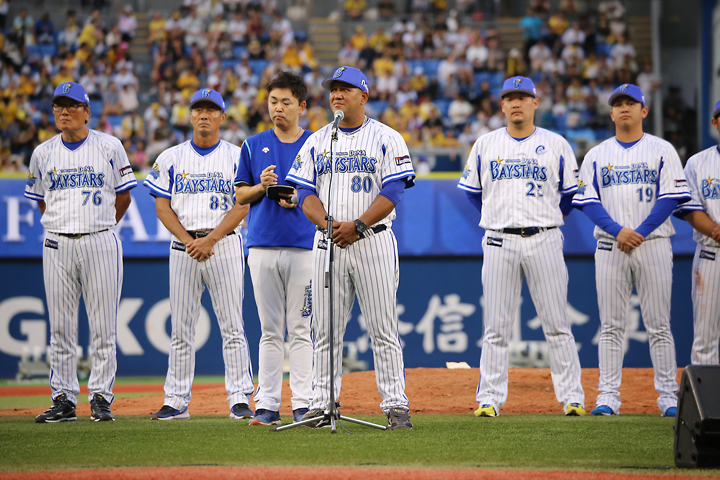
[518, 84]
[208, 95]
[717, 109]
[71, 90]
[627, 90]
[350, 75]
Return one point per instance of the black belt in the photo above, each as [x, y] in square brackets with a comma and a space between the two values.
[376, 229]
[78, 235]
[205, 233]
[527, 231]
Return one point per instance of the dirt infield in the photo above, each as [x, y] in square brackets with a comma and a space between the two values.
[430, 390]
[213, 473]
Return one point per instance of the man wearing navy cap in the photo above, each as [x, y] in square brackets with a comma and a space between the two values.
[522, 179]
[81, 180]
[194, 198]
[703, 213]
[629, 186]
[370, 169]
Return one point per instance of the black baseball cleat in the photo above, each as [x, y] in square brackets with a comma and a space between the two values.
[398, 418]
[62, 410]
[100, 409]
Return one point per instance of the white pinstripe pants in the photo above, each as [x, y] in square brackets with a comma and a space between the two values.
[540, 259]
[368, 268]
[223, 274]
[649, 268]
[706, 309]
[91, 265]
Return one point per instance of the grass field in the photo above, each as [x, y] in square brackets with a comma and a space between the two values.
[628, 443]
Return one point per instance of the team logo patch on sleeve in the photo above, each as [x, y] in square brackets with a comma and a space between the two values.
[466, 172]
[297, 163]
[495, 242]
[155, 171]
[605, 246]
[581, 187]
[707, 255]
[681, 183]
[30, 180]
[126, 171]
[51, 243]
[402, 160]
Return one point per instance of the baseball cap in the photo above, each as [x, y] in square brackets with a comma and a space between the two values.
[518, 84]
[717, 109]
[71, 90]
[628, 90]
[350, 75]
[208, 95]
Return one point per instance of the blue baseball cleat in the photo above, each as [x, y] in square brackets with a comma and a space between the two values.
[169, 413]
[670, 412]
[240, 410]
[602, 410]
[265, 417]
[298, 414]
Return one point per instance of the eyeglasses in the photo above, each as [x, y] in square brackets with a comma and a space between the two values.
[70, 108]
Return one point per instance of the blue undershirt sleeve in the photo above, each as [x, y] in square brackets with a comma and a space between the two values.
[659, 213]
[566, 205]
[393, 190]
[476, 200]
[303, 192]
[599, 216]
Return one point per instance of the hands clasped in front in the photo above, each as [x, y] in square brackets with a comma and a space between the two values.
[344, 234]
[628, 240]
[200, 248]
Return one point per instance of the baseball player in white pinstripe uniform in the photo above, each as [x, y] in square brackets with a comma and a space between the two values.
[280, 240]
[703, 213]
[81, 180]
[194, 196]
[629, 186]
[371, 168]
[522, 179]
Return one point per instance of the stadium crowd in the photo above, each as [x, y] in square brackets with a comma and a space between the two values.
[435, 78]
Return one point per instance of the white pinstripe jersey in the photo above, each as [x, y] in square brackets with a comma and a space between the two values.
[200, 187]
[521, 181]
[703, 177]
[366, 159]
[79, 186]
[628, 181]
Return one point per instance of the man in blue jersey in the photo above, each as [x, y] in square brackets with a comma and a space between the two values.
[280, 241]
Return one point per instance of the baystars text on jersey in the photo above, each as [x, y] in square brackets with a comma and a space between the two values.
[512, 168]
[80, 177]
[211, 182]
[632, 174]
[345, 162]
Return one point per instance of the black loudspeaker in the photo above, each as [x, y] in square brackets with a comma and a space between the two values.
[697, 425]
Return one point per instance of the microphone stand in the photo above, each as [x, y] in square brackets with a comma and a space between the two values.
[331, 413]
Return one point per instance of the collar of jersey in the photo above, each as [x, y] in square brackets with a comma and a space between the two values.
[354, 132]
[73, 146]
[617, 142]
[204, 151]
[520, 141]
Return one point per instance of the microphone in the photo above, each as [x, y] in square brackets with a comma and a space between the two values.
[339, 115]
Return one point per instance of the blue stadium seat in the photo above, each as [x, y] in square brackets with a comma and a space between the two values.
[431, 66]
[48, 50]
[496, 80]
[238, 51]
[580, 133]
[115, 120]
[603, 49]
[479, 77]
[96, 107]
[417, 63]
[33, 50]
[443, 106]
[258, 65]
[230, 63]
[378, 106]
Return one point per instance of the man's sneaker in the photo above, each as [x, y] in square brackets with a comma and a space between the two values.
[575, 410]
[169, 413]
[602, 410]
[100, 409]
[240, 410]
[398, 418]
[318, 413]
[670, 412]
[265, 417]
[62, 410]
[486, 410]
[298, 414]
